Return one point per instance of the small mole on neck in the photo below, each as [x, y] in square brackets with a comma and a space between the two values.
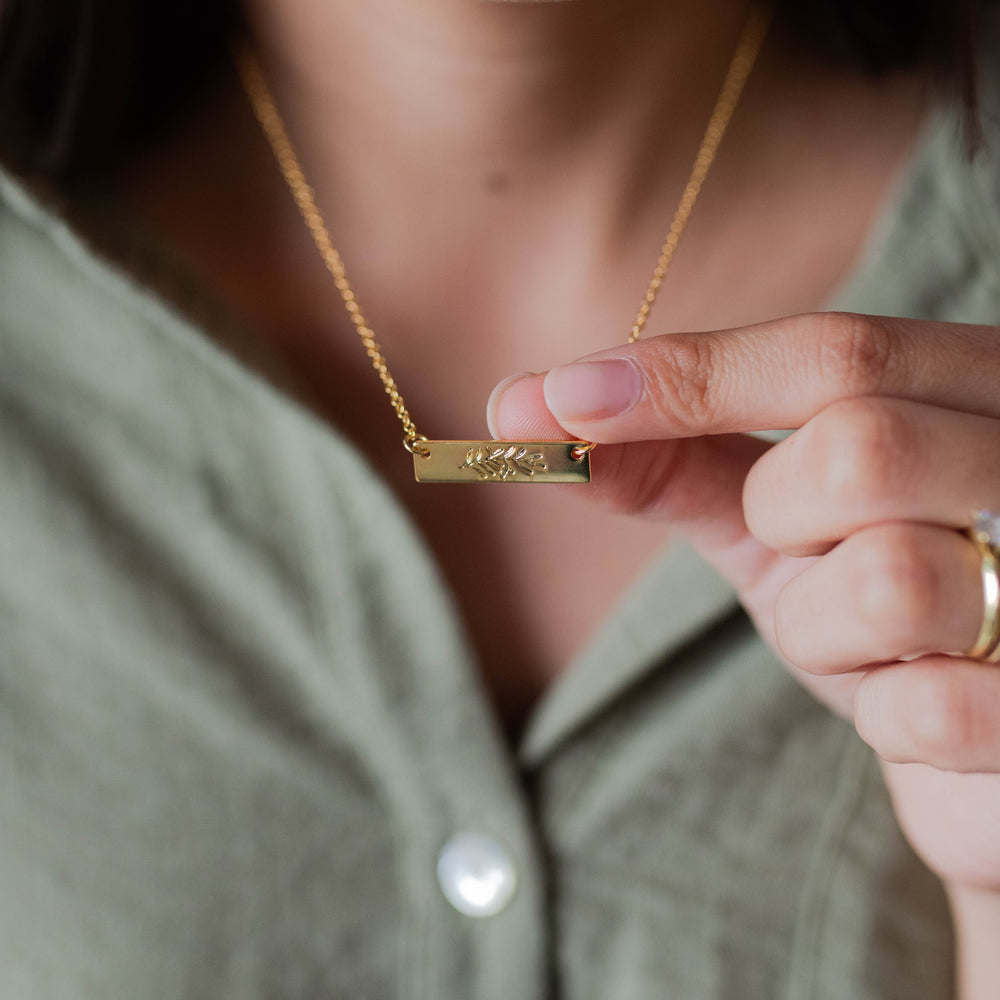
[497, 181]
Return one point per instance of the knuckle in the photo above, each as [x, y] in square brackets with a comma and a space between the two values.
[856, 352]
[862, 449]
[684, 383]
[897, 589]
[942, 718]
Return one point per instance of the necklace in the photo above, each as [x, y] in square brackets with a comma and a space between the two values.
[495, 461]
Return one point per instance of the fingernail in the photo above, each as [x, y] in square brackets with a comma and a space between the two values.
[592, 390]
[493, 402]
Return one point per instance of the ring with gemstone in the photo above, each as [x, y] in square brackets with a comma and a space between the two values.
[985, 534]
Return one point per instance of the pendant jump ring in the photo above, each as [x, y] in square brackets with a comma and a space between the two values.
[410, 444]
[582, 449]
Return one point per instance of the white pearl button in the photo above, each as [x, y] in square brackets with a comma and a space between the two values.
[476, 874]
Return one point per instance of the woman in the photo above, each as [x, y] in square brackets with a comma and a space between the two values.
[263, 738]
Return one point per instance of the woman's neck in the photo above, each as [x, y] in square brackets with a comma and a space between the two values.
[472, 96]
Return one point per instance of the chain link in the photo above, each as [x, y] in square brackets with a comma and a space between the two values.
[266, 112]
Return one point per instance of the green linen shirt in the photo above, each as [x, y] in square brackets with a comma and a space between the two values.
[240, 719]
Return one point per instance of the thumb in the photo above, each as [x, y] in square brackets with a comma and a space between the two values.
[696, 484]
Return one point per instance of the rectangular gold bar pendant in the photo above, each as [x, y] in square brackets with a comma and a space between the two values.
[501, 462]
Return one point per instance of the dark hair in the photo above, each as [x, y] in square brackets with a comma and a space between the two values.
[85, 77]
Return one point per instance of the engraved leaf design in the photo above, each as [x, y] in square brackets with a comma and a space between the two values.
[502, 462]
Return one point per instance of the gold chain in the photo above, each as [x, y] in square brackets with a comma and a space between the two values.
[266, 112]
[747, 49]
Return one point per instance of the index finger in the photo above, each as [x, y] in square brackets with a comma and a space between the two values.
[777, 374]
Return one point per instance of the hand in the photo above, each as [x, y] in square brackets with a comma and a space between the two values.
[842, 538]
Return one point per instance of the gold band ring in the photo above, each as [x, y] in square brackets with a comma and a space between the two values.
[985, 535]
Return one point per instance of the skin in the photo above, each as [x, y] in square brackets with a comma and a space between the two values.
[544, 147]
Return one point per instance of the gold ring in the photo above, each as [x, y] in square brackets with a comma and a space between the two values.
[985, 534]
